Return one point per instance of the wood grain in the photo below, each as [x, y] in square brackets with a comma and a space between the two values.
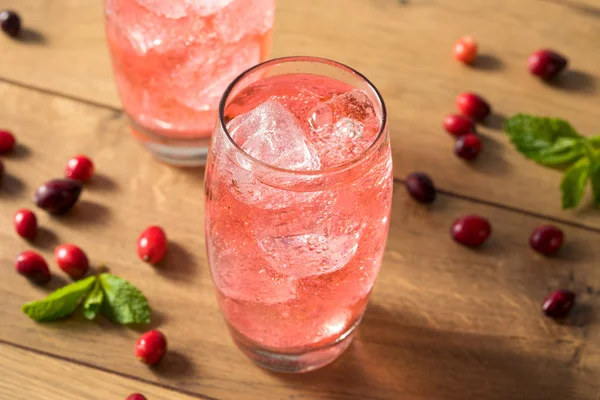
[405, 49]
[52, 378]
[445, 322]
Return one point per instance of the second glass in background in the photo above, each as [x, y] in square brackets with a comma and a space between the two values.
[174, 58]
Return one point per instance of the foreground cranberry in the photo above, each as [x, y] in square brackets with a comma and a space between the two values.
[546, 64]
[152, 245]
[468, 146]
[546, 239]
[473, 106]
[58, 196]
[135, 396]
[10, 23]
[558, 303]
[458, 125]
[80, 168]
[465, 50]
[151, 347]
[72, 260]
[31, 265]
[25, 223]
[7, 141]
[471, 230]
[420, 187]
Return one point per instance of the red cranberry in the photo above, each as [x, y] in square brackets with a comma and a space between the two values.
[10, 23]
[558, 303]
[152, 245]
[135, 396]
[31, 265]
[151, 347]
[58, 196]
[420, 187]
[465, 50]
[25, 223]
[80, 168]
[473, 106]
[546, 64]
[468, 146]
[546, 239]
[7, 141]
[458, 125]
[471, 230]
[72, 260]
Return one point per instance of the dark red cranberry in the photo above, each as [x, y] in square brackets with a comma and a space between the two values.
[7, 141]
[72, 260]
[152, 245]
[468, 146]
[25, 223]
[420, 187]
[31, 265]
[546, 239]
[473, 106]
[458, 125]
[10, 23]
[546, 64]
[151, 347]
[471, 230]
[80, 168]
[558, 303]
[135, 396]
[58, 196]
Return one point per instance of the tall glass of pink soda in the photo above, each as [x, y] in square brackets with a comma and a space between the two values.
[173, 59]
[298, 198]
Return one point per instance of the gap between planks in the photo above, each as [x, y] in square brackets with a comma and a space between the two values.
[397, 180]
[108, 371]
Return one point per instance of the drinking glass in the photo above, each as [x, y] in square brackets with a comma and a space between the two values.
[298, 197]
[173, 59]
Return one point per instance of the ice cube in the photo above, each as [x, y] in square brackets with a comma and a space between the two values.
[244, 18]
[200, 82]
[271, 134]
[171, 9]
[314, 253]
[343, 127]
[238, 274]
[207, 7]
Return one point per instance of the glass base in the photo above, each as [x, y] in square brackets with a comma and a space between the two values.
[294, 362]
[182, 152]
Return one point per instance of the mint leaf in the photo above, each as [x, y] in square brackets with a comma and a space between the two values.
[547, 141]
[60, 303]
[93, 301]
[595, 179]
[123, 302]
[574, 182]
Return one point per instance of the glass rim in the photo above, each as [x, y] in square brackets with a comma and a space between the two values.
[319, 60]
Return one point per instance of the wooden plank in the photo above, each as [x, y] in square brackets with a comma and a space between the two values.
[445, 322]
[405, 49]
[52, 378]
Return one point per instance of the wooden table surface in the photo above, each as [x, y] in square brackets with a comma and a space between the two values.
[444, 322]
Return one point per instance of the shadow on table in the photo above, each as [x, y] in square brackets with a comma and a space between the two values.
[178, 264]
[393, 360]
[31, 36]
[573, 80]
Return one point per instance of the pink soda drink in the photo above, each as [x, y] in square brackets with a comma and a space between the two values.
[298, 199]
[173, 59]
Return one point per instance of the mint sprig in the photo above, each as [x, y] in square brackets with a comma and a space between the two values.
[108, 294]
[553, 142]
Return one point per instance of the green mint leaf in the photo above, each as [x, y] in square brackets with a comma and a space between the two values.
[547, 141]
[595, 179]
[123, 302]
[574, 182]
[60, 303]
[93, 301]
